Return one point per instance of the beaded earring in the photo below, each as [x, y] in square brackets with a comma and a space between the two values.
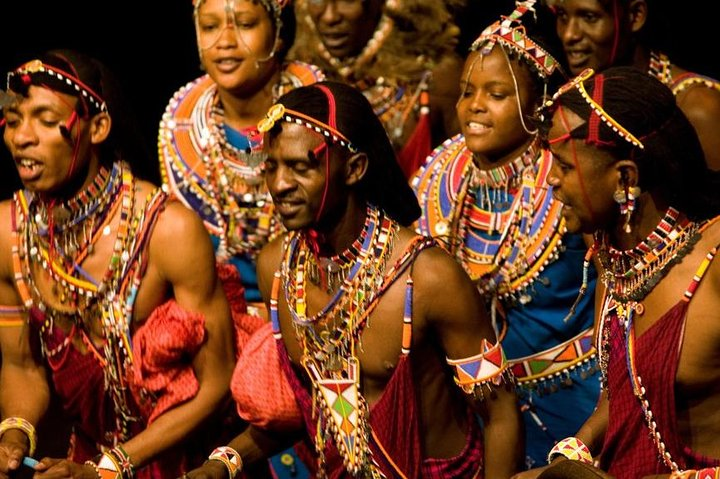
[626, 197]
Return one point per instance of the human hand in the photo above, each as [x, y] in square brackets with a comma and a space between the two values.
[49, 468]
[209, 470]
[11, 455]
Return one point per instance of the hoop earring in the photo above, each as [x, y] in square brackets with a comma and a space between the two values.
[626, 197]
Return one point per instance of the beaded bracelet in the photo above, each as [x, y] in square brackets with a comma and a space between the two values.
[572, 448]
[117, 463]
[228, 456]
[23, 425]
[708, 473]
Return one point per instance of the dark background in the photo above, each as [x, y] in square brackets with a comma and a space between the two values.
[150, 47]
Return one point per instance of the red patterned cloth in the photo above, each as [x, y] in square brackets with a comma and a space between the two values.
[163, 348]
[629, 452]
[395, 440]
[262, 394]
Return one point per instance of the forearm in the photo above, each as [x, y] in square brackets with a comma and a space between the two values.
[592, 432]
[177, 424]
[256, 444]
[24, 391]
[503, 435]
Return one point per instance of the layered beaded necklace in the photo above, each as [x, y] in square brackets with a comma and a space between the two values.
[330, 338]
[227, 186]
[501, 224]
[629, 277]
[59, 243]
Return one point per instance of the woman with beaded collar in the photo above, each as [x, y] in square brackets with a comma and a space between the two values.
[399, 53]
[484, 195]
[602, 33]
[619, 138]
[91, 275]
[210, 151]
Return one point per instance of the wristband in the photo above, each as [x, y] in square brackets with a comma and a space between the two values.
[23, 425]
[228, 456]
[572, 448]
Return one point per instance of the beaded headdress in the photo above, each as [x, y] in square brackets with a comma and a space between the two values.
[278, 112]
[33, 73]
[510, 32]
[600, 115]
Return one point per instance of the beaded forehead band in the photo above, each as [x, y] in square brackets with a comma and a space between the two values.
[510, 32]
[34, 67]
[578, 83]
[274, 6]
[278, 112]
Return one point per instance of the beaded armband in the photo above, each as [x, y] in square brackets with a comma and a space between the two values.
[228, 456]
[23, 425]
[485, 370]
[114, 464]
[572, 448]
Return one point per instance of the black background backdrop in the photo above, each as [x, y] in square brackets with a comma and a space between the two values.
[150, 46]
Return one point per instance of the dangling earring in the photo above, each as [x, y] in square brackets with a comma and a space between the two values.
[626, 197]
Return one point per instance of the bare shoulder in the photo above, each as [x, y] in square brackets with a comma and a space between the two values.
[700, 103]
[176, 223]
[268, 262]
[710, 242]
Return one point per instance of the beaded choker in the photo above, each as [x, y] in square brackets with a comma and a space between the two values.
[631, 275]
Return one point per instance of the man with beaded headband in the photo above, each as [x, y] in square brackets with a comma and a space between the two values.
[399, 53]
[210, 151]
[483, 195]
[91, 275]
[602, 33]
[618, 138]
[363, 329]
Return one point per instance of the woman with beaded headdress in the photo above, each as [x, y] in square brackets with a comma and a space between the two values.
[99, 302]
[602, 33]
[364, 334]
[210, 151]
[628, 166]
[399, 53]
[483, 195]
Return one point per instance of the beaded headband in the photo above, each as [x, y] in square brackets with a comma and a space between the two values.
[34, 67]
[278, 112]
[510, 32]
[578, 83]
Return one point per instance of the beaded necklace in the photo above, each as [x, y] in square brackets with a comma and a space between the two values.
[331, 337]
[660, 67]
[220, 181]
[632, 274]
[110, 300]
[348, 68]
[501, 224]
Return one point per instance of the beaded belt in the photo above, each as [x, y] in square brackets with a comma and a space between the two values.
[555, 362]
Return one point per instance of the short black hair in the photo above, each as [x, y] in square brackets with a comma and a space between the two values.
[384, 184]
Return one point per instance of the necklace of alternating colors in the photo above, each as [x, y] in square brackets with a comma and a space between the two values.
[224, 184]
[661, 68]
[629, 276]
[331, 338]
[502, 224]
[57, 238]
